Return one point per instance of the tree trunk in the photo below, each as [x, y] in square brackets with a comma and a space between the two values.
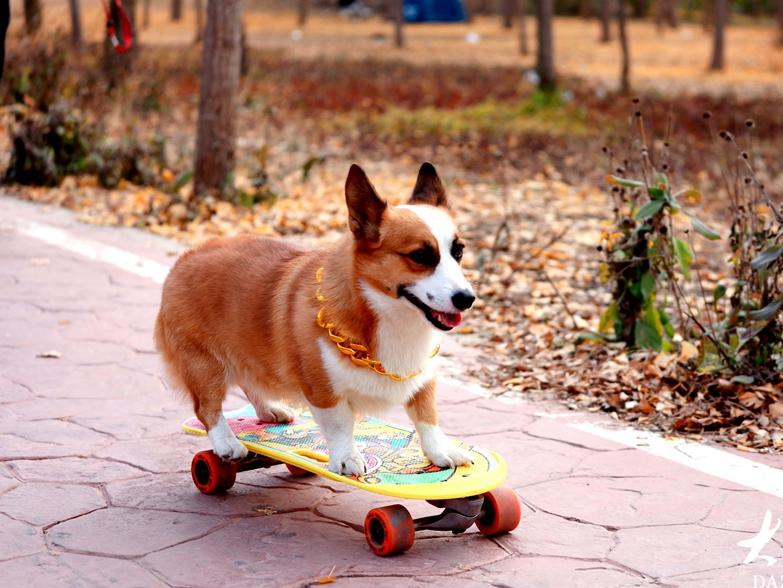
[640, 8]
[707, 14]
[606, 18]
[176, 9]
[397, 15]
[666, 13]
[76, 24]
[507, 14]
[304, 6]
[523, 47]
[625, 72]
[780, 22]
[116, 64]
[216, 138]
[32, 16]
[720, 10]
[5, 19]
[199, 20]
[545, 63]
[244, 53]
[145, 18]
[585, 8]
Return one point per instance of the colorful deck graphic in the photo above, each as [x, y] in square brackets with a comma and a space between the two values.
[396, 465]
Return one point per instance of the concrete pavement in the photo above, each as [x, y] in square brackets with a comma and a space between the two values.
[95, 488]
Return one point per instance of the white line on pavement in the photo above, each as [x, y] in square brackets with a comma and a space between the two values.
[697, 456]
[125, 260]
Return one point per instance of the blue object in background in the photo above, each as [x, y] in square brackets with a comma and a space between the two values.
[433, 11]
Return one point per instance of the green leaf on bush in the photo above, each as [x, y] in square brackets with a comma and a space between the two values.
[656, 193]
[593, 336]
[684, 255]
[704, 230]
[768, 312]
[649, 210]
[646, 336]
[609, 319]
[647, 285]
[767, 257]
[617, 181]
[719, 292]
[742, 380]
[666, 322]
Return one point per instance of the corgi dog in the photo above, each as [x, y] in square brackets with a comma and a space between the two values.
[346, 329]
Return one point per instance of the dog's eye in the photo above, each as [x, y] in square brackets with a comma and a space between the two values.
[456, 250]
[424, 256]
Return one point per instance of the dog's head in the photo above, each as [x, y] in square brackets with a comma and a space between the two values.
[411, 252]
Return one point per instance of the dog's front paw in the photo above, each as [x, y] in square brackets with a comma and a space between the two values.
[349, 464]
[229, 449]
[448, 455]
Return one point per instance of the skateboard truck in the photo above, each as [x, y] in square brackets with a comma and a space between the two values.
[458, 515]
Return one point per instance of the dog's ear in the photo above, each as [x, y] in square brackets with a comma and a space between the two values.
[428, 188]
[365, 207]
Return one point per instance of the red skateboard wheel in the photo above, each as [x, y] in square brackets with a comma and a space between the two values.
[298, 472]
[501, 512]
[211, 474]
[389, 530]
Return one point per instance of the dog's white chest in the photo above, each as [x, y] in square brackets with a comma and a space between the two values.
[367, 391]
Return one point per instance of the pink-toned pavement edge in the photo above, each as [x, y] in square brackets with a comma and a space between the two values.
[95, 489]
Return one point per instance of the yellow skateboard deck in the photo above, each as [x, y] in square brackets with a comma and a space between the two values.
[396, 465]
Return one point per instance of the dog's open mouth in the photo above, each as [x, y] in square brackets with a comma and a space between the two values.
[445, 321]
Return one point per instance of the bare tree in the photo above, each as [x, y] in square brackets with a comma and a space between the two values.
[606, 19]
[780, 22]
[720, 11]
[640, 8]
[508, 8]
[76, 24]
[199, 6]
[5, 19]
[625, 71]
[666, 13]
[176, 9]
[304, 8]
[397, 15]
[216, 135]
[115, 64]
[545, 62]
[523, 48]
[32, 16]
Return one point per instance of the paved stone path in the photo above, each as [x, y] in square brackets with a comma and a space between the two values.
[95, 489]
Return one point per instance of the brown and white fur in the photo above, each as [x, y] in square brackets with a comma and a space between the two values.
[241, 311]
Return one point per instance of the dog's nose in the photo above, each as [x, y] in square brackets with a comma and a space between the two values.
[463, 299]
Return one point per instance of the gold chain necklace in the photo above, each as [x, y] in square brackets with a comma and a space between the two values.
[357, 353]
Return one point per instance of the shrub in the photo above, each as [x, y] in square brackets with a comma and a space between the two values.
[46, 146]
[738, 329]
[746, 333]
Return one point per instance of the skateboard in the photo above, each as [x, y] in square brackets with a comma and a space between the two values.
[396, 467]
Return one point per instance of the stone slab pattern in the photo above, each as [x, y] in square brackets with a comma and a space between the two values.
[95, 490]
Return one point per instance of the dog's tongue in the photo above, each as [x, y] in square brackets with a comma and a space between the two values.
[448, 319]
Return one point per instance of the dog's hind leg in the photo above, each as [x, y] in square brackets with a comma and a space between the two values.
[267, 410]
[204, 377]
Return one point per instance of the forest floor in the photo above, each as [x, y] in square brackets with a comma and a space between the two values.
[525, 173]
